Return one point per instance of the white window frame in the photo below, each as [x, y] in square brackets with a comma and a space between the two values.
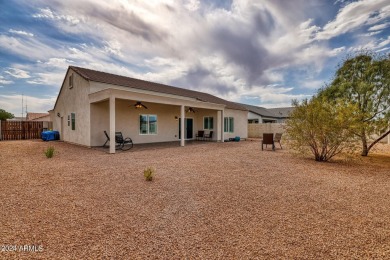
[71, 79]
[147, 124]
[227, 123]
[204, 127]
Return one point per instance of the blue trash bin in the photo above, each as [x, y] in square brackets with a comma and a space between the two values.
[50, 135]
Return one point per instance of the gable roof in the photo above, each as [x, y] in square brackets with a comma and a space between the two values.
[283, 112]
[108, 78]
[262, 111]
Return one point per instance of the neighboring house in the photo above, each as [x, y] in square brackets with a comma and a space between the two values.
[259, 115]
[38, 116]
[91, 102]
[17, 118]
[282, 112]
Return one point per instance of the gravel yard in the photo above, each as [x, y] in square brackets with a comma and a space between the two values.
[207, 201]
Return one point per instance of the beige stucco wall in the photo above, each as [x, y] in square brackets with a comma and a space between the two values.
[127, 121]
[198, 121]
[240, 123]
[74, 100]
[257, 130]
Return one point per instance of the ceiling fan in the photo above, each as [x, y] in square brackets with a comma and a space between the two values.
[139, 105]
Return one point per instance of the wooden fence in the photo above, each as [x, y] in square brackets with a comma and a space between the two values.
[22, 130]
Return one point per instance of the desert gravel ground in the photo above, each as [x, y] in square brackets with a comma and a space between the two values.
[207, 201]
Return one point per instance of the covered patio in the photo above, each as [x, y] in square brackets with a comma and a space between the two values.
[161, 119]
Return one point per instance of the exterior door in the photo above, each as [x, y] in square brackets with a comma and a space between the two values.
[188, 128]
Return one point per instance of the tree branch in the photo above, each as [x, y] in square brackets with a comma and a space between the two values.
[377, 140]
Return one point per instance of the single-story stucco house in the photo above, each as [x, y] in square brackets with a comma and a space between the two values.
[259, 115]
[90, 102]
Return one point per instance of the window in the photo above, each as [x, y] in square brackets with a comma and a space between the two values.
[147, 124]
[228, 126]
[208, 123]
[71, 81]
[68, 120]
[73, 120]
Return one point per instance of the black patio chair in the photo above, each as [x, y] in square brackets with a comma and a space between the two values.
[208, 136]
[120, 142]
[268, 138]
[199, 135]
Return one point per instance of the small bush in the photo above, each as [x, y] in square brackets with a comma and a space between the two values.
[149, 173]
[49, 152]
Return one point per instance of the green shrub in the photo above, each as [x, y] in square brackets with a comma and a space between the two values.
[322, 127]
[149, 173]
[49, 152]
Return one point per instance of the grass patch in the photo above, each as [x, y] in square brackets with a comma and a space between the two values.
[50, 152]
[149, 173]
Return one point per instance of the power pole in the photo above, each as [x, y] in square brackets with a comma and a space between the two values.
[22, 106]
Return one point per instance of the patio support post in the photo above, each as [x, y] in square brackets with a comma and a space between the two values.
[112, 124]
[222, 126]
[182, 115]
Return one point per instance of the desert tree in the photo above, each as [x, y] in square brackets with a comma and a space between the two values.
[321, 127]
[364, 79]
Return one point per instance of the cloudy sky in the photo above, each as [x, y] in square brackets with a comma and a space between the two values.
[260, 52]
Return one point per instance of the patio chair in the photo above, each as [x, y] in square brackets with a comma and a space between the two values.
[199, 135]
[120, 142]
[208, 136]
[277, 138]
[268, 138]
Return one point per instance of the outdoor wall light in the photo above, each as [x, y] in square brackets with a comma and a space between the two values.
[58, 114]
[176, 118]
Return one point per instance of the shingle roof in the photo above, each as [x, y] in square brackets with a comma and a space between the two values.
[103, 77]
[260, 111]
[281, 111]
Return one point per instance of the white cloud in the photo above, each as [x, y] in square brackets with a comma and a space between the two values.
[379, 27]
[372, 44]
[229, 52]
[54, 78]
[13, 103]
[354, 15]
[312, 84]
[20, 32]
[370, 34]
[28, 47]
[4, 81]
[192, 5]
[18, 73]
[58, 62]
[47, 13]
[336, 51]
